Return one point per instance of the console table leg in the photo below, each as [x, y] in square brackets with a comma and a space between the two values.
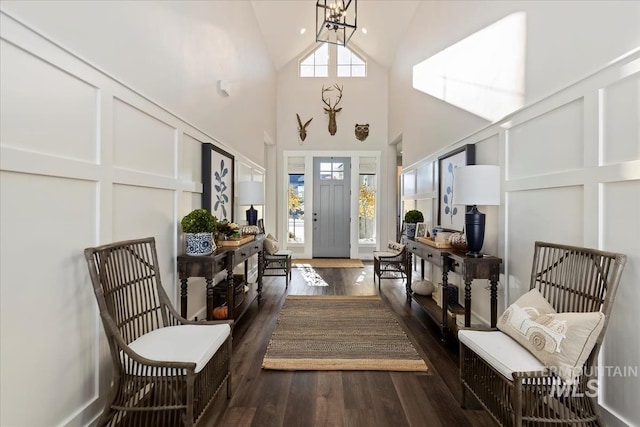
[494, 303]
[467, 304]
[209, 281]
[183, 297]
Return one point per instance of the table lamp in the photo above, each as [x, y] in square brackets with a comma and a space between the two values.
[472, 186]
[251, 193]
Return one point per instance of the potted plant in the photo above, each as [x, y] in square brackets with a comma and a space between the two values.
[198, 227]
[411, 218]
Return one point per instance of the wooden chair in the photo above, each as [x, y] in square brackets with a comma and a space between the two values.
[278, 264]
[166, 369]
[392, 263]
[513, 385]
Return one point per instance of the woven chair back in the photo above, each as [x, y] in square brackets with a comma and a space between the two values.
[126, 282]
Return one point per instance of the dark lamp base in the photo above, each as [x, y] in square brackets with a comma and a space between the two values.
[252, 216]
[474, 228]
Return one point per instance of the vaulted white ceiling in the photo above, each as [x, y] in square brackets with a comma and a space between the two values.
[280, 22]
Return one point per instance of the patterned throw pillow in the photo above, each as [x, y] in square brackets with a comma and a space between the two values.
[271, 245]
[562, 341]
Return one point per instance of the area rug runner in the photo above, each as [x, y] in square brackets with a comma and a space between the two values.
[331, 333]
[328, 263]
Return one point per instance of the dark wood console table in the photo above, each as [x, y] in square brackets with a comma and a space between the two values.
[223, 259]
[450, 260]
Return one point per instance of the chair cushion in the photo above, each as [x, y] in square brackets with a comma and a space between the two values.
[562, 341]
[185, 343]
[394, 246]
[500, 351]
[284, 252]
[378, 254]
[422, 287]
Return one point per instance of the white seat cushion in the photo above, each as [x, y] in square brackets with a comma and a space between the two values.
[185, 343]
[500, 351]
[385, 254]
[284, 252]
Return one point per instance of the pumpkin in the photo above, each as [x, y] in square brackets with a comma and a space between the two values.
[458, 240]
[221, 312]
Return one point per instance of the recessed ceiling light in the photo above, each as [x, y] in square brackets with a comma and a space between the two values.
[364, 31]
[303, 30]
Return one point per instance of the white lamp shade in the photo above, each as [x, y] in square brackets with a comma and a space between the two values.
[476, 185]
[250, 193]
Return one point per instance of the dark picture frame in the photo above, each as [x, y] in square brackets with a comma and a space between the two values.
[449, 216]
[218, 171]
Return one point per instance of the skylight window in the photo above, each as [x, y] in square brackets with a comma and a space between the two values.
[317, 63]
[349, 64]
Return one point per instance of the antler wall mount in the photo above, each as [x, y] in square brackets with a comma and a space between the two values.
[332, 110]
[302, 128]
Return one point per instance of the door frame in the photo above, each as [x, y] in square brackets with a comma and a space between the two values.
[306, 250]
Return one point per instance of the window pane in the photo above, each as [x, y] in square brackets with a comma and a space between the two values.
[344, 71]
[322, 71]
[338, 166]
[322, 55]
[358, 71]
[355, 60]
[325, 176]
[306, 71]
[325, 166]
[344, 55]
[307, 61]
[367, 209]
[296, 209]
[338, 176]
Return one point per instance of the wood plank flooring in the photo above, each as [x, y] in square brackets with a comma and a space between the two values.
[341, 398]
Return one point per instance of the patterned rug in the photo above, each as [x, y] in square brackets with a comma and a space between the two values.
[328, 263]
[332, 333]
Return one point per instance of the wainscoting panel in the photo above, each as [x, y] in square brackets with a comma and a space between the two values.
[621, 233]
[548, 143]
[620, 118]
[142, 142]
[50, 321]
[41, 103]
[144, 212]
[553, 215]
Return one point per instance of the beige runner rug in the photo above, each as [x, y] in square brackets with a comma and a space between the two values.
[329, 333]
[328, 263]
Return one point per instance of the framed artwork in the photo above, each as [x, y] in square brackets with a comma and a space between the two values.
[217, 181]
[422, 229]
[451, 216]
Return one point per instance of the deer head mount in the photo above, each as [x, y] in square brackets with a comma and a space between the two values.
[332, 110]
[302, 128]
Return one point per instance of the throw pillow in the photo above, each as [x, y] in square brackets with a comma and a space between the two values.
[271, 245]
[422, 287]
[562, 341]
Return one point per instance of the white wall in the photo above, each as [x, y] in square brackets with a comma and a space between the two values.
[571, 174]
[565, 41]
[86, 160]
[174, 53]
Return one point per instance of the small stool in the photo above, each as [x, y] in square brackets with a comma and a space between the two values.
[277, 264]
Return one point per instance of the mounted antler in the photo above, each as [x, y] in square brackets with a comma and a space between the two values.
[332, 110]
[302, 129]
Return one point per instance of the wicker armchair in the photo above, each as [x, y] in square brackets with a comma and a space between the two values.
[515, 387]
[166, 369]
[390, 264]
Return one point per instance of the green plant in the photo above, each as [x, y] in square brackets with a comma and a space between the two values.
[199, 221]
[413, 216]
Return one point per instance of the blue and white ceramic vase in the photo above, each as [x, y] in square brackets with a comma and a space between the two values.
[198, 244]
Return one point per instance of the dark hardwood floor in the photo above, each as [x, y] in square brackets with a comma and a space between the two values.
[341, 398]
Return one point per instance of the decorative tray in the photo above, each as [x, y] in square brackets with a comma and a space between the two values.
[238, 242]
[431, 242]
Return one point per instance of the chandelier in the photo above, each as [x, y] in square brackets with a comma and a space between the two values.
[333, 23]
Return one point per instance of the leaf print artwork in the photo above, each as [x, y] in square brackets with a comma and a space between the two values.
[449, 209]
[222, 197]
